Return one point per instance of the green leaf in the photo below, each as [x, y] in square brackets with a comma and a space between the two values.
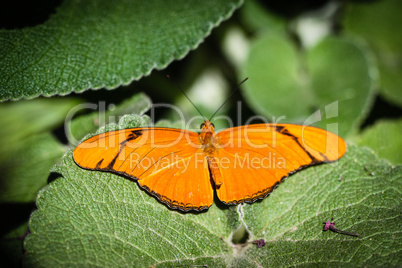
[256, 17]
[113, 222]
[385, 138]
[25, 168]
[27, 153]
[95, 44]
[100, 219]
[89, 123]
[28, 150]
[21, 119]
[333, 84]
[363, 195]
[376, 21]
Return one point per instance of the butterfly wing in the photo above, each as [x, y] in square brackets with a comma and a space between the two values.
[252, 160]
[168, 163]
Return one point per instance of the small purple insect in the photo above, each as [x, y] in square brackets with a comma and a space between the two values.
[331, 226]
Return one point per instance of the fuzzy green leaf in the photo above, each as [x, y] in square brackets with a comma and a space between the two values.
[95, 44]
[359, 191]
[100, 219]
[333, 84]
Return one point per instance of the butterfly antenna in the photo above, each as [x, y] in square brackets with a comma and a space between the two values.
[231, 94]
[184, 93]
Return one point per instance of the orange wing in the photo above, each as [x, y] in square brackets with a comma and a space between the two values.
[168, 163]
[252, 160]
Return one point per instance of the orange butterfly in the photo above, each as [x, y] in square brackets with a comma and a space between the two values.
[182, 168]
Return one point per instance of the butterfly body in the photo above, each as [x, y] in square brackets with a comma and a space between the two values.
[208, 138]
[176, 166]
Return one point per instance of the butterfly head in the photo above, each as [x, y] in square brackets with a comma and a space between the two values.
[208, 126]
[207, 130]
